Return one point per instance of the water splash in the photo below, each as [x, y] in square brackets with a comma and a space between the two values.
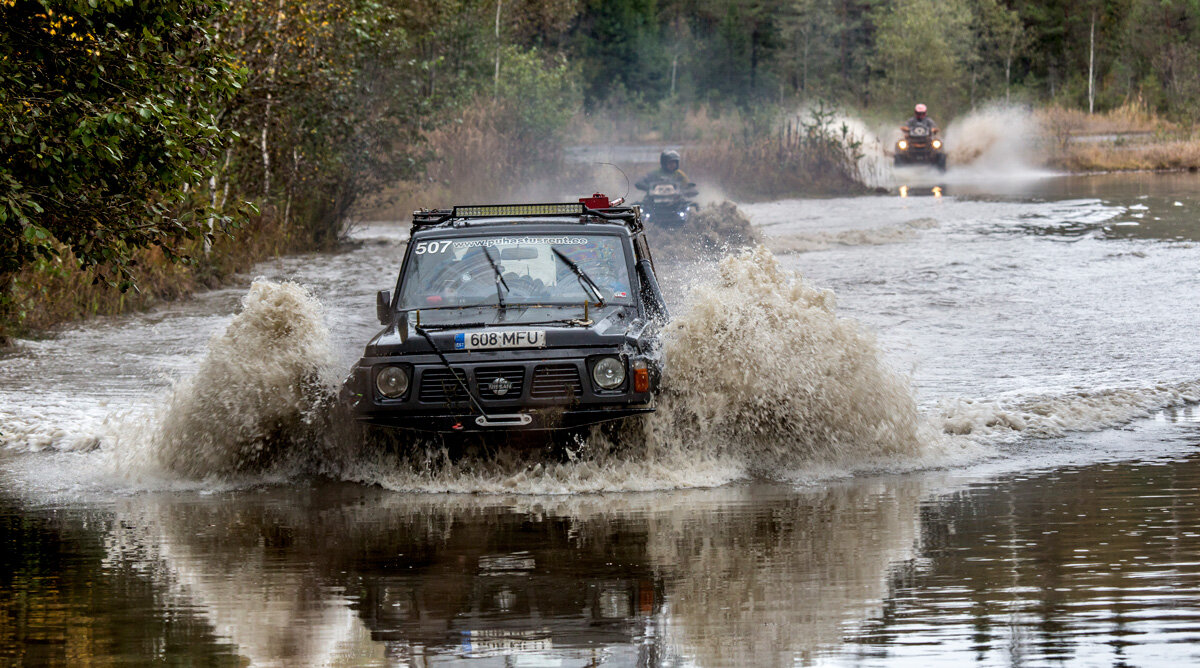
[258, 399]
[996, 141]
[764, 380]
[710, 231]
[761, 368]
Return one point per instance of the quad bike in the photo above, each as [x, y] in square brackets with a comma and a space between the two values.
[668, 204]
[920, 146]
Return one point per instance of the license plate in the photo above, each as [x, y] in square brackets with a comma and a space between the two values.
[529, 338]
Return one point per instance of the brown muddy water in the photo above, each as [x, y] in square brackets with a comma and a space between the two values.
[968, 434]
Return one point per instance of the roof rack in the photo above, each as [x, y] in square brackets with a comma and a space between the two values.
[597, 206]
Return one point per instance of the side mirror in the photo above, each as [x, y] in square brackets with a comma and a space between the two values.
[383, 307]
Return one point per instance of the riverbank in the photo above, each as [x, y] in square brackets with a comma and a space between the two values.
[1127, 154]
[1128, 138]
[49, 293]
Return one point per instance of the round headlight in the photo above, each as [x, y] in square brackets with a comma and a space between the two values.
[937, 143]
[392, 382]
[609, 373]
[902, 144]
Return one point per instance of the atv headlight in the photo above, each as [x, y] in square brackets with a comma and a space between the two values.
[392, 382]
[903, 145]
[937, 143]
[609, 372]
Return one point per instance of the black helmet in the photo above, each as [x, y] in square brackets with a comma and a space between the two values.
[668, 156]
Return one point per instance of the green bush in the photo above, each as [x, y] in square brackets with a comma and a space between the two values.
[108, 117]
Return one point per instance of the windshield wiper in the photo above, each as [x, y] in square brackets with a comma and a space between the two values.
[499, 276]
[585, 281]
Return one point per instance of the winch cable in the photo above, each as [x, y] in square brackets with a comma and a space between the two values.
[461, 383]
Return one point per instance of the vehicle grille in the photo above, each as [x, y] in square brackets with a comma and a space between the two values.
[513, 374]
[438, 386]
[556, 381]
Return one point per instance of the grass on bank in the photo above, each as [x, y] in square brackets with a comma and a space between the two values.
[1128, 138]
[1117, 156]
[50, 292]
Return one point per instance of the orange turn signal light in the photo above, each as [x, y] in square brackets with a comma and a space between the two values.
[641, 376]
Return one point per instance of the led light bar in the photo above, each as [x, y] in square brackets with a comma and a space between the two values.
[567, 209]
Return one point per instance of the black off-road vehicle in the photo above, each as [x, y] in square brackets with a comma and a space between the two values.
[515, 317]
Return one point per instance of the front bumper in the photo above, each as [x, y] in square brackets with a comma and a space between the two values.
[547, 390]
[918, 153]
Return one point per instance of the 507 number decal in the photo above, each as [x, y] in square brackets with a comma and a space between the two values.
[432, 247]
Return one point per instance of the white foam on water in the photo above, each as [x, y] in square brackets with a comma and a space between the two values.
[1052, 415]
[805, 242]
[31, 432]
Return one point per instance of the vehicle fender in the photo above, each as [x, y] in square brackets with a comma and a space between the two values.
[652, 294]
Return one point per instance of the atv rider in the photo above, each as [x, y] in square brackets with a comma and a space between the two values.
[920, 120]
[668, 172]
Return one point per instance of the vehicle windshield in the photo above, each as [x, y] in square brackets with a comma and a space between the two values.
[514, 270]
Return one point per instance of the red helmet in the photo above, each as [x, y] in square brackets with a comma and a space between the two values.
[920, 109]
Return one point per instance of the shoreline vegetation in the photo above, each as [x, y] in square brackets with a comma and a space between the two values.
[1126, 139]
[151, 149]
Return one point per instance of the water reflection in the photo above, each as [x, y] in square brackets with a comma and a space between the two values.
[1151, 206]
[341, 574]
[1097, 563]
[1088, 565]
[923, 190]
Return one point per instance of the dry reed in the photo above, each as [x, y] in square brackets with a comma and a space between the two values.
[48, 293]
[1127, 138]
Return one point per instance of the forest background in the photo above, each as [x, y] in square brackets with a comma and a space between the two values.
[150, 148]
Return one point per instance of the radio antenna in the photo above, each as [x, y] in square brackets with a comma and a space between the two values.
[622, 174]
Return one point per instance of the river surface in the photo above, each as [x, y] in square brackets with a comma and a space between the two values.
[1047, 327]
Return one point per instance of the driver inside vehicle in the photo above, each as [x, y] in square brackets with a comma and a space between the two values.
[612, 285]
